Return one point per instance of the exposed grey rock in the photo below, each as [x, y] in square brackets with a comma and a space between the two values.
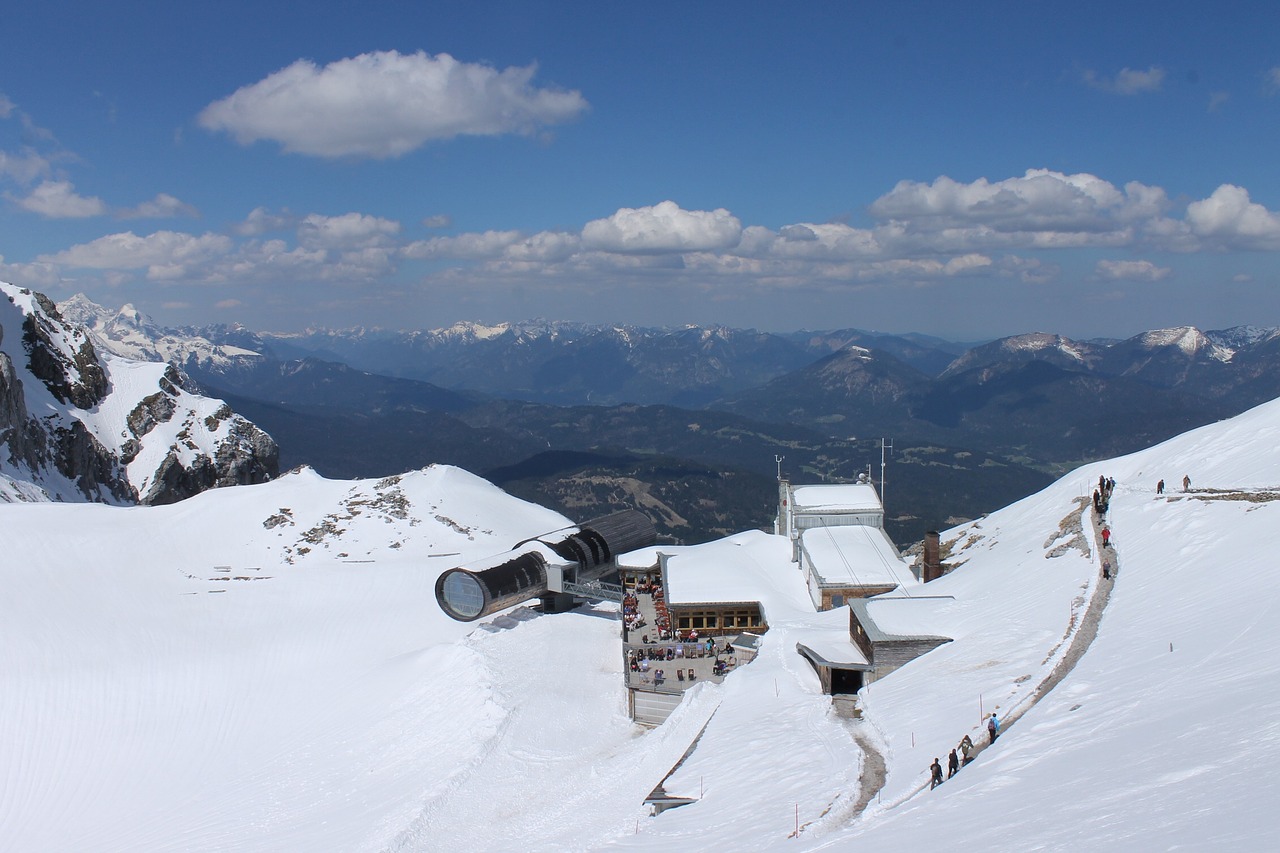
[154, 409]
[62, 449]
[77, 379]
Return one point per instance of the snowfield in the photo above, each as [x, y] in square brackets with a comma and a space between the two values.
[265, 668]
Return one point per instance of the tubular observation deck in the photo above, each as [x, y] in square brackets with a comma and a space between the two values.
[568, 561]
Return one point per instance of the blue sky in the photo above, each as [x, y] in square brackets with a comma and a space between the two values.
[966, 170]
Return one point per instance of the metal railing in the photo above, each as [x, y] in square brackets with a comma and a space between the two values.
[598, 590]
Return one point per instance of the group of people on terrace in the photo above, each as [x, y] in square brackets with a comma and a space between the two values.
[632, 618]
[678, 651]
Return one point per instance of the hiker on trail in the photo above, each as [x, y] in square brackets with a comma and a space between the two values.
[1186, 484]
[966, 746]
[993, 727]
[936, 779]
[1160, 488]
[1106, 536]
[953, 764]
[1106, 570]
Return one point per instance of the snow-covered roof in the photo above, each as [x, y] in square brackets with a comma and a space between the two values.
[855, 555]
[845, 497]
[898, 616]
[751, 566]
[826, 638]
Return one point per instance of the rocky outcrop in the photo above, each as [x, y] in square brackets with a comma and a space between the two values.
[62, 356]
[248, 455]
[65, 428]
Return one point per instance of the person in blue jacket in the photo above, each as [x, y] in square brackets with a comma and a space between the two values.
[993, 727]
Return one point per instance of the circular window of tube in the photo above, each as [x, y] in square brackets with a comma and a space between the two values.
[462, 594]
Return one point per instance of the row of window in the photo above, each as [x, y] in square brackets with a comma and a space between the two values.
[700, 619]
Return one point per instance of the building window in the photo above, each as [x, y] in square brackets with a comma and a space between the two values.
[837, 600]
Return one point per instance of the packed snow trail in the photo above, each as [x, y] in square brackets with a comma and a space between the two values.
[873, 774]
[1081, 632]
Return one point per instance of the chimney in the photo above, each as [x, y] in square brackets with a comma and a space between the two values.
[931, 564]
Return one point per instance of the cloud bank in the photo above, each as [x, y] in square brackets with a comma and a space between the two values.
[1019, 229]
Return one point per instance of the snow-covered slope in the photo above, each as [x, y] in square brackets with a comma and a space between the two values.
[79, 425]
[272, 673]
[269, 672]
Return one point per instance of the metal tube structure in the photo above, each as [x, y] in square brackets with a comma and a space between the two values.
[586, 553]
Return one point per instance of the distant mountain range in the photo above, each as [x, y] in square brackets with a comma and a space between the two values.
[589, 416]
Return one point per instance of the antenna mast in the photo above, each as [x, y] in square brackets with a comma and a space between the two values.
[779, 459]
[883, 445]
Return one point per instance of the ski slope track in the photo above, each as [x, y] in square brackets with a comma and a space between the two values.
[264, 668]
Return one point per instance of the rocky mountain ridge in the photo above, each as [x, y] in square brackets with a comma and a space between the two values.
[77, 425]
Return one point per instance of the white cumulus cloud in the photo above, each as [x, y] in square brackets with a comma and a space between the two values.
[1228, 219]
[260, 221]
[544, 247]
[162, 250]
[163, 206]
[348, 231]
[1131, 271]
[1039, 200]
[489, 244]
[59, 200]
[386, 104]
[662, 228]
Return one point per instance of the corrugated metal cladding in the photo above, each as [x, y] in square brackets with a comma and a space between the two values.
[513, 577]
[624, 531]
[600, 540]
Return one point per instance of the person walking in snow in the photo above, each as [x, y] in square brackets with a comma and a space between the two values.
[993, 727]
[966, 746]
[1106, 570]
[1106, 537]
[1186, 483]
[953, 764]
[936, 779]
[1160, 488]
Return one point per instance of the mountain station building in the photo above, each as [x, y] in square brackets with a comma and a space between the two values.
[838, 539]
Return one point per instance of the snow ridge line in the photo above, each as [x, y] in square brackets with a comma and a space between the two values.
[1081, 633]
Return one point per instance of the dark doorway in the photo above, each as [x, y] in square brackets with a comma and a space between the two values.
[846, 680]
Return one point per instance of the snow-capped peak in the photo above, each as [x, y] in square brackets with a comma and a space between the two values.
[1190, 340]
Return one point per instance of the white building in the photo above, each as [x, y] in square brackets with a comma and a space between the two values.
[837, 538]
